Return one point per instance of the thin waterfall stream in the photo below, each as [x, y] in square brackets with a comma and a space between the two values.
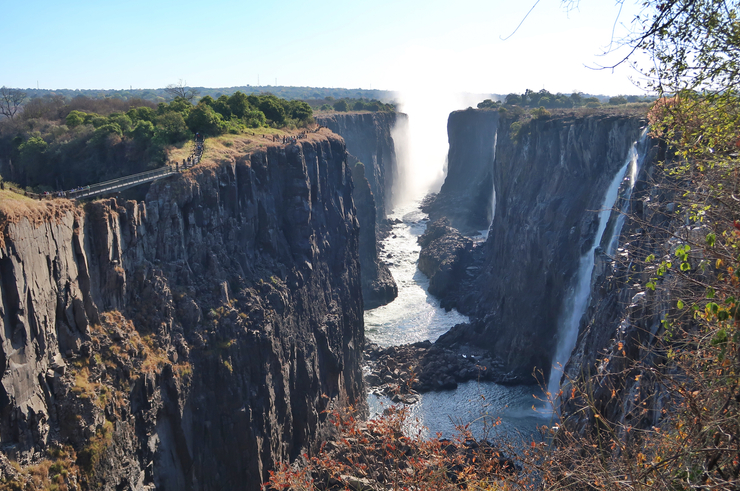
[581, 293]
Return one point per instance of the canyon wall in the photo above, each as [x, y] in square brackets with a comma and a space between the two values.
[550, 177]
[369, 142]
[190, 341]
[465, 197]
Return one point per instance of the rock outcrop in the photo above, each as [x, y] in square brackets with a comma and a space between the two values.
[550, 179]
[189, 341]
[444, 257]
[373, 158]
[466, 195]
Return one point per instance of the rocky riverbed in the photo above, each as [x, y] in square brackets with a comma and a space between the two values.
[403, 372]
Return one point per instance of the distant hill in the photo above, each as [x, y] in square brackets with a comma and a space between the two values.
[161, 95]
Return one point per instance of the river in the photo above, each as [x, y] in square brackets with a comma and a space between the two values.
[415, 315]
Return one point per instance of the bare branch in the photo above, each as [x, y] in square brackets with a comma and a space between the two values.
[181, 90]
[11, 101]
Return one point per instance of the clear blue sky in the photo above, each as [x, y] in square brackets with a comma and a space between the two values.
[325, 43]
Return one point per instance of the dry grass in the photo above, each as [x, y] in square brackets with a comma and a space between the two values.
[15, 206]
[57, 472]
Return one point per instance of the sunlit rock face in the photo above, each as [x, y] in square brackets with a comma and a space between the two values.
[550, 180]
[192, 340]
[369, 142]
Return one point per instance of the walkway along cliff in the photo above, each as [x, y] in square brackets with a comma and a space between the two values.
[189, 341]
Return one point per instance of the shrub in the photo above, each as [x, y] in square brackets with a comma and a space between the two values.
[75, 118]
[203, 119]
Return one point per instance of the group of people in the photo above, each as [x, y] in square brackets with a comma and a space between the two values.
[290, 138]
[195, 154]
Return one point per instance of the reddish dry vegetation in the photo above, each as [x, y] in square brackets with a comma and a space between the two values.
[388, 453]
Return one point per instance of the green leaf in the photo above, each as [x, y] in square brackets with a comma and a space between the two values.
[650, 285]
[720, 337]
[711, 238]
[685, 266]
[679, 304]
[650, 258]
[710, 292]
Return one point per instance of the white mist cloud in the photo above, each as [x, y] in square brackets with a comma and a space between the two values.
[428, 93]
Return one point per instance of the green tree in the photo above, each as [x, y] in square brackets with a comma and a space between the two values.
[171, 128]
[254, 118]
[122, 120]
[203, 119]
[179, 104]
[75, 118]
[239, 104]
[512, 99]
[272, 109]
[299, 110]
[141, 114]
[33, 158]
[488, 104]
[341, 105]
[143, 132]
[222, 107]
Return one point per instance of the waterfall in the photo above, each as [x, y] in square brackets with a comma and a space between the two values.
[493, 181]
[635, 159]
[580, 295]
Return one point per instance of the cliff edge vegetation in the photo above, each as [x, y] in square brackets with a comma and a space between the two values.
[53, 143]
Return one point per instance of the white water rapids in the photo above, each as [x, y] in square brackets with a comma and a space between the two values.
[416, 316]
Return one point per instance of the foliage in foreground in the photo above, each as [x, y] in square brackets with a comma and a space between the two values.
[388, 453]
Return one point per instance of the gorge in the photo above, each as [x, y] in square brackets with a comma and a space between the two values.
[194, 339]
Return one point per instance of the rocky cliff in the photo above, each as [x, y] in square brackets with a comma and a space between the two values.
[550, 178]
[185, 342]
[466, 195]
[369, 142]
[615, 350]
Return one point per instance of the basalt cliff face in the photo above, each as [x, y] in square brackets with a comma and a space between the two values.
[369, 141]
[550, 180]
[189, 341]
[466, 195]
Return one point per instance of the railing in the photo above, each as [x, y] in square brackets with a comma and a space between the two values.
[122, 183]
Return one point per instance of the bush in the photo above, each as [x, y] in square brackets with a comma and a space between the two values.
[540, 113]
[272, 109]
[171, 128]
[203, 119]
[75, 118]
[341, 106]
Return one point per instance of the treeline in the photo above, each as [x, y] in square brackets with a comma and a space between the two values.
[547, 100]
[350, 104]
[54, 144]
[162, 94]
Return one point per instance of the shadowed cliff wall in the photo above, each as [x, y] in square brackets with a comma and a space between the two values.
[550, 184]
[369, 141]
[190, 341]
